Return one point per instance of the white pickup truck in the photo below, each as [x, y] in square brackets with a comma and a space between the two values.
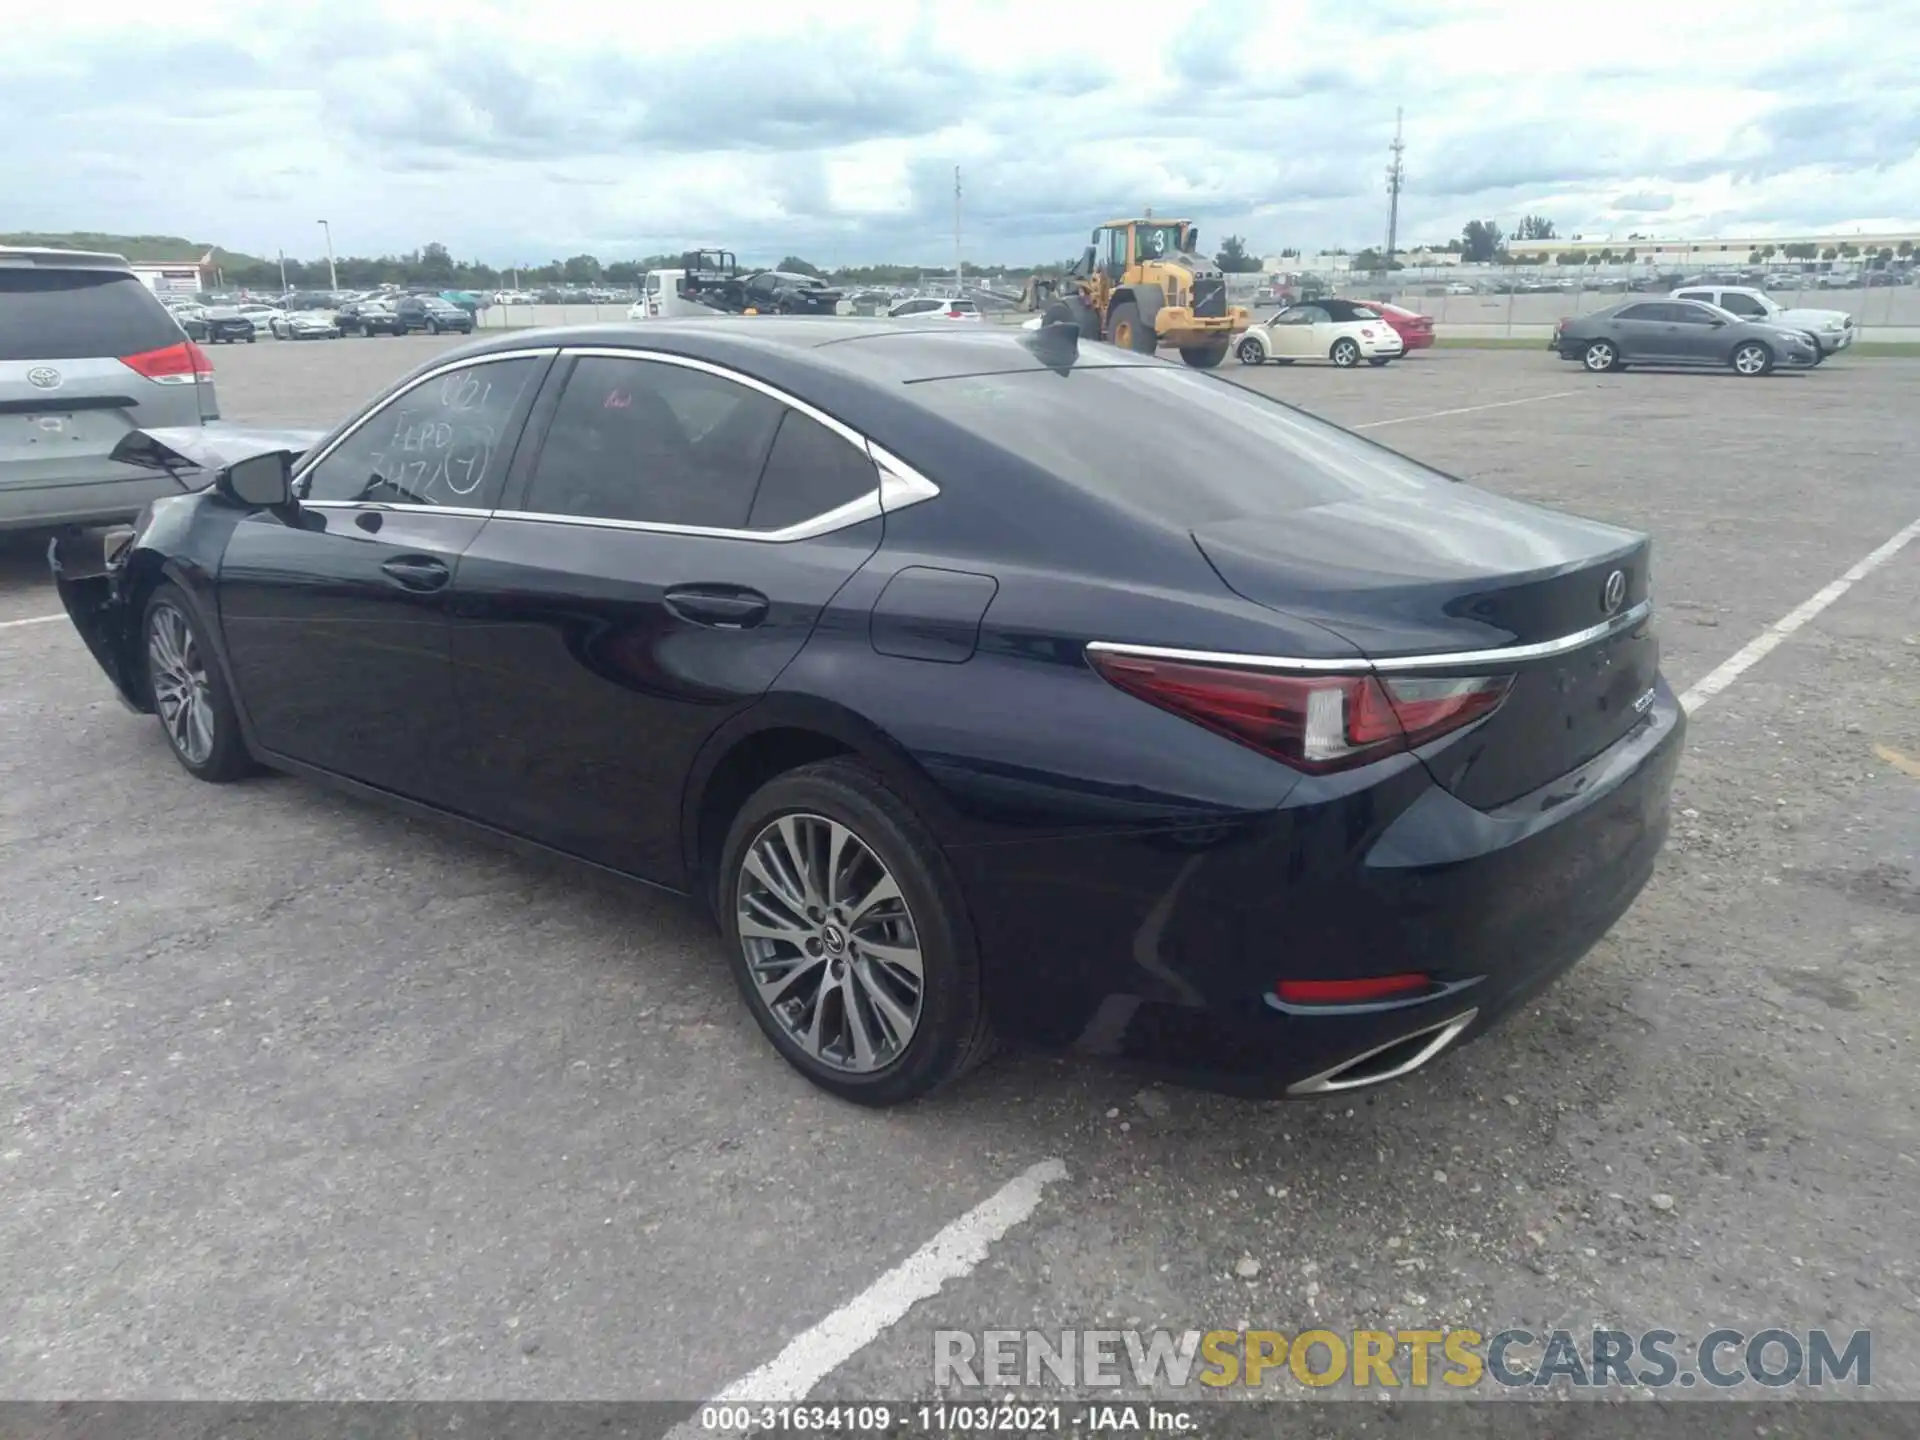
[1830, 330]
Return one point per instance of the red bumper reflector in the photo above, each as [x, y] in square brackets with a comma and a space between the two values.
[1349, 992]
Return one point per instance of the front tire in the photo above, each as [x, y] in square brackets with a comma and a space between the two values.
[848, 937]
[1600, 357]
[1818, 353]
[1250, 352]
[1345, 353]
[189, 692]
[433, 327]
[1752, 359]
[1125, 329]
[1204, 357]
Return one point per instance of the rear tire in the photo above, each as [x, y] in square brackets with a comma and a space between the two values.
[935, 1032]
[1345, 353]
[1125, 329]
[1600, 356]
[189, 692]
[1204, 357]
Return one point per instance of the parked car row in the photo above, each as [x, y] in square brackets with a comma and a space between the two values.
[373, 315]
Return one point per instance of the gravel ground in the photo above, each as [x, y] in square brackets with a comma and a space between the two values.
[306, 1100]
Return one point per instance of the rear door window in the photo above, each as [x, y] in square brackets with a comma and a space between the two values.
[810, 471]
[48, 314]
[642, 440]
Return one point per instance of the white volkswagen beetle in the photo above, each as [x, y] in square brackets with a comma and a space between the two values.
[1342, 331]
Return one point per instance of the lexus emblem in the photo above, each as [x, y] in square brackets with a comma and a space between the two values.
[1615, 591]
[44, 377]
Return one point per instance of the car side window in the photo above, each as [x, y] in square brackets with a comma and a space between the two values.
[643, 440]
[809, 471]
[445, 441]
[1299, 315]
[1692, 315]
[1706, 295]
[1639, 312]
[1743, 305]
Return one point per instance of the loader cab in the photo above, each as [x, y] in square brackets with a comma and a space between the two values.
[1121, 245]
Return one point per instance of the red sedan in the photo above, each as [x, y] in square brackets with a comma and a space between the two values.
[1415, 329]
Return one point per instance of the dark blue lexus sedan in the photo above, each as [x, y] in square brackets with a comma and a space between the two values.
[983, 683]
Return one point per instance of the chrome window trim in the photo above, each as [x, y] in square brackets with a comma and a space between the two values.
[309, 463]
[382, 505]
[899, 484]
[1363, 665]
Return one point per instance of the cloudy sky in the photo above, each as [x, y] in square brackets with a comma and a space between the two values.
[521, 132]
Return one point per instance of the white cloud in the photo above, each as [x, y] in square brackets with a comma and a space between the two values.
[830, 128]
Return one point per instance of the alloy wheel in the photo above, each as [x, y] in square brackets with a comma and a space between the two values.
[1249, 352]
[1600, 356]
[1750, 360]
[180, 690]
[1346, 354]
[829, 943]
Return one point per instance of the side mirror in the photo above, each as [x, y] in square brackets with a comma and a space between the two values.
[260, 482]
[1718, 324]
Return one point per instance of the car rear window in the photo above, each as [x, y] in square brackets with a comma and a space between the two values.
[48, 314]
[1188, 448]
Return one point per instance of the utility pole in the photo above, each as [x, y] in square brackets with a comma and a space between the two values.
[283, 272]
[1396, 178]
[333, 279]
[959, 269]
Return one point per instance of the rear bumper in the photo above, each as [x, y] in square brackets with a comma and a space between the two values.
[1164, 949]
[86, 502]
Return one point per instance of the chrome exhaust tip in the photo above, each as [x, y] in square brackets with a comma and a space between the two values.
[1386, 1062]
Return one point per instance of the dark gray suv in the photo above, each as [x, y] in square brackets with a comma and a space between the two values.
[87, 353]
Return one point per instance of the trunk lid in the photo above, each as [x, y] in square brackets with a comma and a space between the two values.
[1458, 570]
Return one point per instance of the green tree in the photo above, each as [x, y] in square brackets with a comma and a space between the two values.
[1369, 259]
[1630, 256]
[1849, 252]
[1480, 239]
[1534, 227]
[581, 270]
[1233, 257]
[1571, 257]
[1830, 253]
[1906, 249]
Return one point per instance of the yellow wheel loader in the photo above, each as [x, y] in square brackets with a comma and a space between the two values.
[1142, 284]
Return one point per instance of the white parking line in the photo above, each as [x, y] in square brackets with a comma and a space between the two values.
[951, 1255]
[1767, 640]
[1463, 410]
[32, 620]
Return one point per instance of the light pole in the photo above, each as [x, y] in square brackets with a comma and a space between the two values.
[333, 278]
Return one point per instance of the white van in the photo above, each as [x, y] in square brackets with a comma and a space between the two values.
[661, 297]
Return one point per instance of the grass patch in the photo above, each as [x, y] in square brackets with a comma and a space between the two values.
[1489, 342]
[1882, 349]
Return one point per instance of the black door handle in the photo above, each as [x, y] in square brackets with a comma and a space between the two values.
[724, 607]
[417, 572]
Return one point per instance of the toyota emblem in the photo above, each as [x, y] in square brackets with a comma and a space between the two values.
[44, 377]
[1615, 591]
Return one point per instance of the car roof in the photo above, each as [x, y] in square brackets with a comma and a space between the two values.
[877, 350]
[50, 259]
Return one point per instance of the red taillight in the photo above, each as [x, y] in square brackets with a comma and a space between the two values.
[1349, 992]
[955, 314]
[180, 364]
[1316, 723]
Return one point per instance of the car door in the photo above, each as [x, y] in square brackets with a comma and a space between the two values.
[1641, 332]
[663, 553]
[1699, 335]
[334, 614]
[1291, 331]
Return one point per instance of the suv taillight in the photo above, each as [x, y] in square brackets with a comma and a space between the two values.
[180, 364]
[1316, 723]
